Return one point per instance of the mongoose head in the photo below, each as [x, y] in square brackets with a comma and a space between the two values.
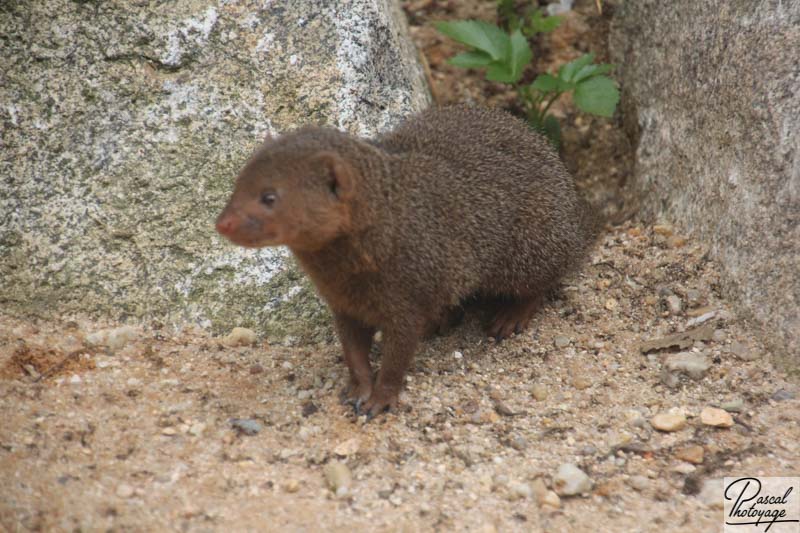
[290, 194]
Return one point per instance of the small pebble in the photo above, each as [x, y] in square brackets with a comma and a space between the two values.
[639, 483]
[695, 365]
[75, 379]
[197, 429]
[711, 493]
[246, 426]
[694, 298]
[518, 442]
[781, 395]
[124, 491]
[544, 496]
[611, 304]
[458, 356]
[561, 342]
[113, 338]
[691, 454]
[240, 337]
[674, 304]
[742, 352]
[256, 369]
[347, 447]
[291, 486]
[719, 335]
[581, 382]
[539, 392]
[663, 229]
[712, 416]
[169, 432]
[309, 408]
[702, 319]
[734, 406]
[520, 490]
[684, 468]
[338, 477]
[668, 422]
[571, 480]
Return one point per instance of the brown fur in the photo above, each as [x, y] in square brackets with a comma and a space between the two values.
[455, 202]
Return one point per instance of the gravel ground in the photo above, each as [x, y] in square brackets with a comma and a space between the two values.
[127, 428]
[107, 426]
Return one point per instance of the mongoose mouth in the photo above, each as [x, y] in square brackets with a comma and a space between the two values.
[262, 242]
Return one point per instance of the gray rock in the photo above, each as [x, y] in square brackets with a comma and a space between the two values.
[246, 426]
[694, 298]
[742, 352]
[674, 304]
[696, 321]
[782, 395]
[561, 341]
[571, 481]
[734, 406]
[124, 124]
[711, 99]
[694, 365]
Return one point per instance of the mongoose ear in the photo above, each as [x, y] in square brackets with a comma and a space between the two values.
[340, 174]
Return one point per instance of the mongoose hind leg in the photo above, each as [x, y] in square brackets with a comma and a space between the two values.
[356, 339]
[513, 316]
[449, 319]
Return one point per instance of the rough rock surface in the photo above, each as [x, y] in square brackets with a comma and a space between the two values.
[124, 123]
[711, 91]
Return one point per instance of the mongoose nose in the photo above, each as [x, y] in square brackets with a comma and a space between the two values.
[226, 224]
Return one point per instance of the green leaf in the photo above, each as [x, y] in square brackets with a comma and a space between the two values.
[541, 24]
[519, 55]
[567, 72]
[545, 83]
[474, 59]
[592, 70]
[500, 71]
[477, 34]
[597, 95]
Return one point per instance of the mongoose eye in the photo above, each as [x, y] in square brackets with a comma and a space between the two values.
[268, 198]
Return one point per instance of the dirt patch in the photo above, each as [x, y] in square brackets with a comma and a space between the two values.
[40, 363]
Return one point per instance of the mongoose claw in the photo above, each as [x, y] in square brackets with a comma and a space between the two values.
[378, 403]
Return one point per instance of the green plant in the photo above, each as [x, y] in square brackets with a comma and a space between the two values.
[531, 22]
[592, 92]
[503, 55]
[506, 54]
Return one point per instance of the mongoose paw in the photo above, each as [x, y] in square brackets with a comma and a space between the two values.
[355, 394]
[513, 318]
[377, 403]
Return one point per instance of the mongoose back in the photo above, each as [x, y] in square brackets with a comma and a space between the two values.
[456, 202]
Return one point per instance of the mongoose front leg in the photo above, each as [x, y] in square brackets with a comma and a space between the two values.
[399, 346]
[356, 339]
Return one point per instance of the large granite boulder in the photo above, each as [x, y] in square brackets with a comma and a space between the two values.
[711, 92]
[124, 123]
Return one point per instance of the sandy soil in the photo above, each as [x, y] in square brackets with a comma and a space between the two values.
[141, 436]
[151, 428]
